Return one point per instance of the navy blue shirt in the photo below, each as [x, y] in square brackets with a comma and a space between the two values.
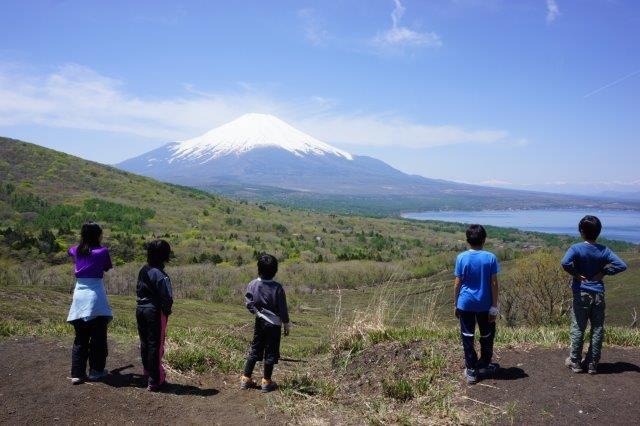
[588, 260]
[475, 269]
[267, 294]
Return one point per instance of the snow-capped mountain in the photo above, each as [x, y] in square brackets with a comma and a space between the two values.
[249, 132]
[261, 149]
[259, 155]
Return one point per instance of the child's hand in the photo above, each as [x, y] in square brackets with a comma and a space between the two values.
[287, 328]
[457, 312]
[493, 313]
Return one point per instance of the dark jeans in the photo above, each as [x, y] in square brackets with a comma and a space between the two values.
[587, 307]
[90, 344]
[487, 335]
[266, 342]
[152, 328]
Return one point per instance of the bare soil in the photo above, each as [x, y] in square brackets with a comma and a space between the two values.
[534, 387]
[35, 389]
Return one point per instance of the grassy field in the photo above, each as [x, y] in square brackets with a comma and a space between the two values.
[398, 341]
[359, 288]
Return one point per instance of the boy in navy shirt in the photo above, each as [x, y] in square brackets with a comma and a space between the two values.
[476, 301]
[266, 299]
[588, 263]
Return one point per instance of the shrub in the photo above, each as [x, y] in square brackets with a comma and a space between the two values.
[536, 291]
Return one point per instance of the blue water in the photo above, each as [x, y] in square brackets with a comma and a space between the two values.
[616, 225]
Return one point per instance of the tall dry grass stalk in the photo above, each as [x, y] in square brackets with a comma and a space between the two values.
[397, 302]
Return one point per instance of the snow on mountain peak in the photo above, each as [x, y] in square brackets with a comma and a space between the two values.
[252, 131]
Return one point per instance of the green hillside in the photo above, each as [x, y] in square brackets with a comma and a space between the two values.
[46, 195]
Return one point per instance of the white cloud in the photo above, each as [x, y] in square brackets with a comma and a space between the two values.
[552, 11]
[313, 27]
[390, 130]
[77, 97]
[496, 182]
[399, 37]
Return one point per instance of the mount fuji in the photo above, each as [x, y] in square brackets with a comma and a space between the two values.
[261, 149]
[260, 156]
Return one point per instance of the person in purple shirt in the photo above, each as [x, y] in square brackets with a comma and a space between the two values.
[90, 312]
[588, 263]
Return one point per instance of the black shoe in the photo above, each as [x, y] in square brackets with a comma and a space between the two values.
[488, 370]
[268, 386]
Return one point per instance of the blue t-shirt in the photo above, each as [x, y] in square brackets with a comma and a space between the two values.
[475, 269]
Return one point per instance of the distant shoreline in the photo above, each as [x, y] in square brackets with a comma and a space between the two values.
[622, 225]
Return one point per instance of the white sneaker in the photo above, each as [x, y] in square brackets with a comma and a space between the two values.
[76, 380]
[97, 375]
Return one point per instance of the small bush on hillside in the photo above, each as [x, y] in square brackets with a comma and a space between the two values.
[536, 291]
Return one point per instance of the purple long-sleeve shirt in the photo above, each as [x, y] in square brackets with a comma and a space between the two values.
[92, 266]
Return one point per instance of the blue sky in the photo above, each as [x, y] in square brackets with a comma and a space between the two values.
[541, 94]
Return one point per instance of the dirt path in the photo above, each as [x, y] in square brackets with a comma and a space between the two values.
[34, 389]
[534, 387]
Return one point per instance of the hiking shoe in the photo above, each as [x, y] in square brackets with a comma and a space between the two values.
[94, 375]
[489, 370]
[153, 388]
[77, 380]
[471, 375]
[593, 367]
[247, 383]
[268, 386]
[575, 366]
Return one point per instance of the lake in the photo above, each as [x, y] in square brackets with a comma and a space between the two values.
[616, 225]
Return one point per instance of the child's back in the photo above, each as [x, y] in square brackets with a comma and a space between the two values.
[266, 299]
[154, 302]
[588, 262]
[475, 300]
[267, 294]
[90, 312]
[591, 260]
[475, 269]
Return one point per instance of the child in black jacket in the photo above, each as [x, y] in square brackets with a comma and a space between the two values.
[266, 299]
[155, 298]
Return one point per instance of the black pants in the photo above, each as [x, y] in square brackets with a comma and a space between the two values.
[266, 342]
[487, 335]
[152, 325]
[90, 343]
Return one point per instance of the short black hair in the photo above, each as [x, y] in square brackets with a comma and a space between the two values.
[267, 266]
[158, 253]
[590, 227]
[476, 235]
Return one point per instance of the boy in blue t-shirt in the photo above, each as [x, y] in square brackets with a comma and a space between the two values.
[476, 300]
[588, 263]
